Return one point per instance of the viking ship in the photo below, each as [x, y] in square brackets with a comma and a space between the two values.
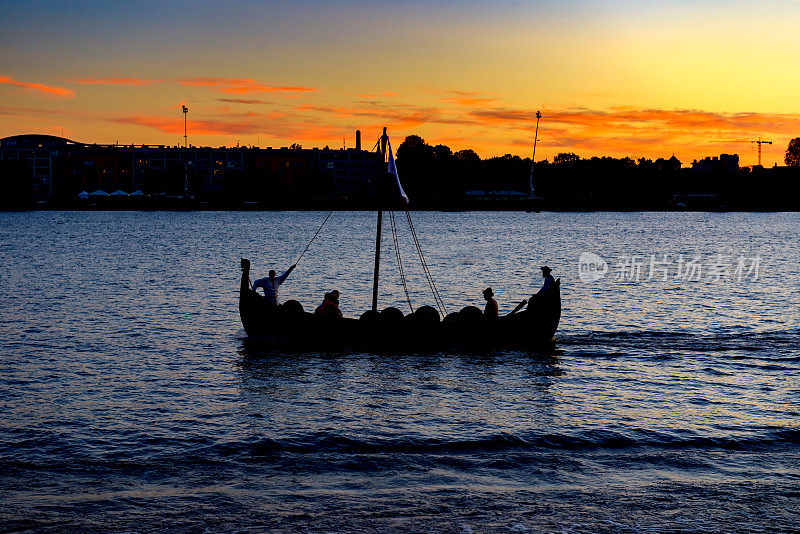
[532, 325]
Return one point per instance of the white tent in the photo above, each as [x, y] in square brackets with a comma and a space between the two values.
[137, 193]
[98, 193]
[119, 193]
[83, 195]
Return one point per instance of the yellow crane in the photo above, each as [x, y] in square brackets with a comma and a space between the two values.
[760, 142]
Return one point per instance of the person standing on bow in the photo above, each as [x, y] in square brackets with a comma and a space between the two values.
[270, 285]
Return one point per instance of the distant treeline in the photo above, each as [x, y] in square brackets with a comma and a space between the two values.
[435, 175]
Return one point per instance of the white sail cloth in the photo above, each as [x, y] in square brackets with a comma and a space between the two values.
[393, 172]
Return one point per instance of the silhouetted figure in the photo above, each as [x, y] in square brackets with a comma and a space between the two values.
[330, 306]
[270, 285]
[491, 310]
[549, 281]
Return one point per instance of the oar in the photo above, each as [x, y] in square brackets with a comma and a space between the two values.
[519, 307]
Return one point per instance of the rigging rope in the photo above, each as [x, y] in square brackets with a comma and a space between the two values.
[313, 238]
[320, 226]
[437, 297]
[393, 225]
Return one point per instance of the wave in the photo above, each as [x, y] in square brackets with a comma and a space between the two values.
[503, 442]
[352, 453]
[323, 443]
[784, 342]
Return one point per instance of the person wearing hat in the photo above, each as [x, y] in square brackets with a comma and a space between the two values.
[548, 284]
[548, 279]
[491, 310]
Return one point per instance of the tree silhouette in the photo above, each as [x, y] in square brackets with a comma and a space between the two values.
[415, 163]
[442, 153]
[414, 147]
[295, 146]
[792, 158]
[566, 157]
[467, 155]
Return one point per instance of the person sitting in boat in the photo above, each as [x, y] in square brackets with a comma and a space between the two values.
[270, 285]
[329, 306]
[491, 310]
[548, 279]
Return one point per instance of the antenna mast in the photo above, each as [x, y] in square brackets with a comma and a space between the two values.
[533, 158]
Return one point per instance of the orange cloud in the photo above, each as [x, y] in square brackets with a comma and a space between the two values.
[243, 101]
[197, 127]
[627, 118]
[404, 118]
[469, 101]
[461, 120]
[458, 141]
[249, 123]
[114, 81]
[387, 94]
[36, 112]
[627, 130]
[468, 98]
[242, 85]
[61, 92]
[401, 116]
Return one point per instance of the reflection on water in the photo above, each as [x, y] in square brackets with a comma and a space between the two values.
[131, 401]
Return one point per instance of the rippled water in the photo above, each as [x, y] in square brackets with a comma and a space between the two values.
[132, 402]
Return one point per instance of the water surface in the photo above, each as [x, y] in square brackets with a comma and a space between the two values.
[132, 402]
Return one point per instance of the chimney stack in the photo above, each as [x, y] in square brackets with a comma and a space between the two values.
[358, 139]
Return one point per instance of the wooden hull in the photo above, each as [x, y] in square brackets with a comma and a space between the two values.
[289, 326]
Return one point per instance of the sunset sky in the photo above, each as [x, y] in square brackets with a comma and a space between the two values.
[610, 78]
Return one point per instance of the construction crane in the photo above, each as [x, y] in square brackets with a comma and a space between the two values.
[760, 142]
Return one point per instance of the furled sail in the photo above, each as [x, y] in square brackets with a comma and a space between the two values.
[393, 172]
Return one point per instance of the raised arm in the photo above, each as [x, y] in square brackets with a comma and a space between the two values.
[285, 275]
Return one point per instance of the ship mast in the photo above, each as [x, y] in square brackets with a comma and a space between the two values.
[381, 162]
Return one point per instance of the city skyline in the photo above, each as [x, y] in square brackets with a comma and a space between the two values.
[617, 79]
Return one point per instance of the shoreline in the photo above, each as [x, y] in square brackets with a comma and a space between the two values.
[342, 208]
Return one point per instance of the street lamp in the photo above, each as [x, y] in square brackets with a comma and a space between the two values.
[185, 111]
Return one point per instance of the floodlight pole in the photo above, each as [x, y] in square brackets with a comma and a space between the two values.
[185, 146]
[185, 112]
